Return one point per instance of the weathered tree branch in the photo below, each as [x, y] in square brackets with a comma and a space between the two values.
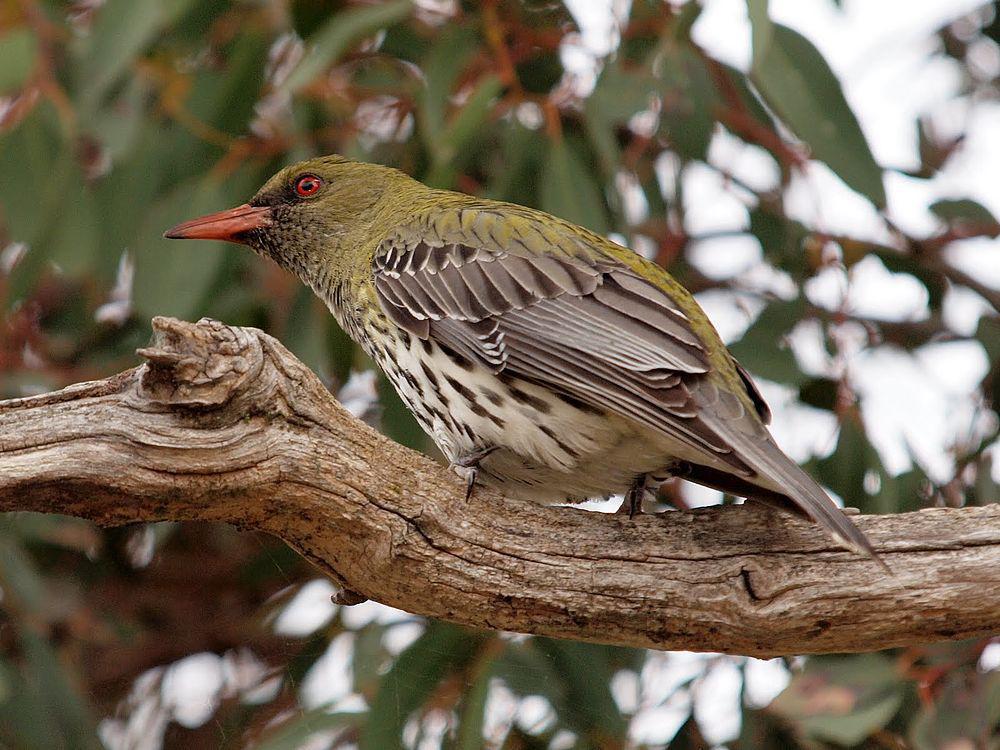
[224, 424]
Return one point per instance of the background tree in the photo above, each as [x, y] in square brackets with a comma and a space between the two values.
[120, 118]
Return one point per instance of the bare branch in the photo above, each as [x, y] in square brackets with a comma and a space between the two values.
[224, 424]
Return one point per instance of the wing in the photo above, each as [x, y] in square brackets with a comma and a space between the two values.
[549, 304]
[573, 318]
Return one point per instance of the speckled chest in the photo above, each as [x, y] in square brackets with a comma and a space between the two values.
[434, 386]
[552, 446]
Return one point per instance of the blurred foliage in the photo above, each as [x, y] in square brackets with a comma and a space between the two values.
[119, 118]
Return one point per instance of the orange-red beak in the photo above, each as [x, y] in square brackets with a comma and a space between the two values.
[229, 226]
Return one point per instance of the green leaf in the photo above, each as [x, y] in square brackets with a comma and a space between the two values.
[72, 244]
[819, 392]
[617, 96]
[569, 190]
[398, 421]
[293, 734]
[64, 531]
[469, 735]
[540, 666]
[988, 334]
[24, 584]
[585, 671]
[781, 239]
[61, 224]
[25, 722]
[453, 141]
[305, 336]
[689, 101]
[442, 650]
[762, 730]
[620, 93]
[690, 12]
[526, 671]
[763, 349]
[541, 72]
[513, 167]
[121, 30]
[369, 660]
[341, 31]
[845, 469]
[18, 50]
[899, 263]
[226, 98]
[761, 26]
[748, 98]
[173, 278]
[441, 69]
[842, 699]
[31, 152]
[964, 714]
[906, 492]
[799, 86]
[967, 212]
[62, 704]
[120, 128]
[688, 737]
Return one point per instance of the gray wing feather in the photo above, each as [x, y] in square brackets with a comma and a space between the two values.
[586, 325]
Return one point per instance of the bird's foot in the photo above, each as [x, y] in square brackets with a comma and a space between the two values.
[467, 467]
[634, 496]
[641, 485]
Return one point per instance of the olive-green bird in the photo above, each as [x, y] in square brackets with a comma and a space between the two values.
[543, 359]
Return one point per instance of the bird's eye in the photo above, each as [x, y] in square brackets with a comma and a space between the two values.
[307, 185]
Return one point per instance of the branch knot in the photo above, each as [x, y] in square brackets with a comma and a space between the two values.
[199, 365]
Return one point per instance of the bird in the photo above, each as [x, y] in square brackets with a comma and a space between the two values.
[543, 359]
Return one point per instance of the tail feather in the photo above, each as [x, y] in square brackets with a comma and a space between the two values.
[784, 476]
[779, 478]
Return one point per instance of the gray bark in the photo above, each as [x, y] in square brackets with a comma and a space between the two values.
[224, 424]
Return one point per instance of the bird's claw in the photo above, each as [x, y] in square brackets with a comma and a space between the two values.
[467, 467]
[632, 503]
[636, 492]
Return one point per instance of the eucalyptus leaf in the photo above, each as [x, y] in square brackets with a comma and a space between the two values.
[72, 714]
[18, 52]
[472, 716]
[293, 734]
[412, 679]
[122, 29]
[342, 30]
[968, 212]
[844, 471]
[761, 27]
[585, 671]
[452, 144]
[841, 700]
[569, 189]
[799, 86]
[764, 349]
[441, 69]
[173, 278]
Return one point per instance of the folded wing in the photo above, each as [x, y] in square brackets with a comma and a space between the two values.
[579, 321]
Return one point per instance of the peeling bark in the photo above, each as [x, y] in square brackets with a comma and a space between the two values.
[224, 424]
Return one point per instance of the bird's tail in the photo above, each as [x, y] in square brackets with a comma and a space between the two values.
[780, 481]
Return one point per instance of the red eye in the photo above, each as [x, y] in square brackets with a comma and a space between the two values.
[307, 185]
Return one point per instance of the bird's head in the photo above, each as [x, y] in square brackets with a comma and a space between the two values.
[306, 217]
